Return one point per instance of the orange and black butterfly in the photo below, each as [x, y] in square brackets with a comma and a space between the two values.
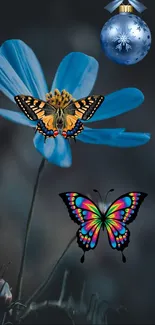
[60, 113]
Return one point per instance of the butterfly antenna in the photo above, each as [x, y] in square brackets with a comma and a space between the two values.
[123, 258]
[107, 194]
[82, 258]
[96, 191]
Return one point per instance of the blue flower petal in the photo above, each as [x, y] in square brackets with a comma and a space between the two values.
[57, 151]
[117, 103]
[10, 84]
[99, 136]
[77, 74]
[16, 117]
[113, 137]
[131, 139]
[26, 65]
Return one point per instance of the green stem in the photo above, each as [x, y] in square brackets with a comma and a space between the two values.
[28, 227]
[44, 285]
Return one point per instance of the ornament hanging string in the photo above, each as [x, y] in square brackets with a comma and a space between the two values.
[134, 3]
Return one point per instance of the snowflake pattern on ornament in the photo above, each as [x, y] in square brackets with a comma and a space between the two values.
[145, 48]
[123, 42]
[141, 25]
[112, 27]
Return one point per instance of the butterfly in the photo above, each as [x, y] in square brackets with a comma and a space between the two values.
[60, 113]
[115, 219]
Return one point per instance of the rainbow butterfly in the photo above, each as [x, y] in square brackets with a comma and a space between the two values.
[120, 213]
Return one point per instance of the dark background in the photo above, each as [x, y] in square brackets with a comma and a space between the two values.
[53, 29]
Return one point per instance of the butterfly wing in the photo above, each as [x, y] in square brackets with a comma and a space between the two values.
[38, 110]
[85, 108]
[120, 213]
[82, 109]
[34, 108]
[84, 212]
[73, 126]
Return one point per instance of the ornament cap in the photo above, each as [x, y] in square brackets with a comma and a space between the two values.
[113, 5]
[125, 8]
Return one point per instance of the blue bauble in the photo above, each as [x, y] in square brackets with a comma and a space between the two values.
[125, 38]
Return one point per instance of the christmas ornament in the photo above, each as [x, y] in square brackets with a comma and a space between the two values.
[125, 38]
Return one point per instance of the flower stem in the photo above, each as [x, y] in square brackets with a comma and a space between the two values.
[28, 227]
[44, 285]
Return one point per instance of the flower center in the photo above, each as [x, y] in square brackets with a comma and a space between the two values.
[59, 99]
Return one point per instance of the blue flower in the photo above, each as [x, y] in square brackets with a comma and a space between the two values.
[21, 73]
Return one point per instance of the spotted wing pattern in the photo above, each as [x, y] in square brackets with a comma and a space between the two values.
[84, 212]
[38, 110]
[34, 108]
[82, 109]
[43, 112]
[85, 108]
[120, 213]
[73, 126]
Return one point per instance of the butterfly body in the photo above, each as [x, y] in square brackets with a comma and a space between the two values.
[59, 114]
[91, 220]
